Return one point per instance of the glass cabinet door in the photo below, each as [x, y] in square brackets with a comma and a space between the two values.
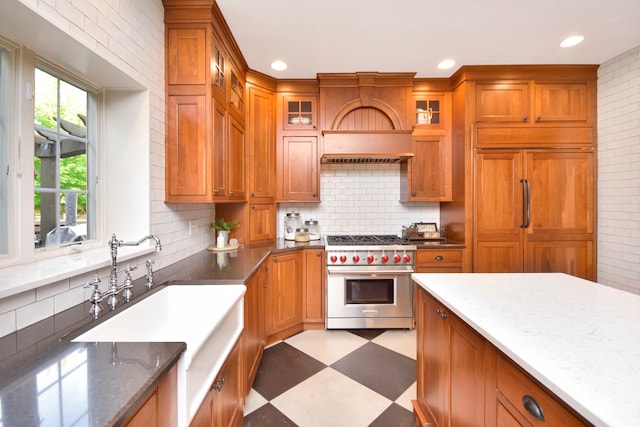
[300, 112]
[429, 111]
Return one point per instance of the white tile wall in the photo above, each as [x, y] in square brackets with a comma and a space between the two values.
[361, 199]
[619, 172]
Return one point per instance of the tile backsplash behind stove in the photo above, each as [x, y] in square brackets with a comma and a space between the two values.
[361, 199]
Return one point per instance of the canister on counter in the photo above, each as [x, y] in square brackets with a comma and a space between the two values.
[302, 235]
[292, 221]
[314, 229]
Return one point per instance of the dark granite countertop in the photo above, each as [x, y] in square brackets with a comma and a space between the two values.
[46, 379]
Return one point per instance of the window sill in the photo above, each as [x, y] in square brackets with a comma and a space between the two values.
[22, 278]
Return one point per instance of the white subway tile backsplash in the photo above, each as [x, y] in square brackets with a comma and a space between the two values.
[32, 313]
[16, 301]
[7, 323]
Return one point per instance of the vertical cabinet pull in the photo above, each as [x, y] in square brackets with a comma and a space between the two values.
[526, 204]
[532, 407]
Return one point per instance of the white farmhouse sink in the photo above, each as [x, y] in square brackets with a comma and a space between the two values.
[208, 318]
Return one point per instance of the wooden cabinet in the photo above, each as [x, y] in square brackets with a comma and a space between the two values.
[261, 158]
[438, 261]
[283, 296]
[222, 406]
[298, 169]
[532, 102]
[253, 336]
[450, 367]
[300, 112]
[189, 147]
[314, 288]
[534, 211]
[463, 380]
[160, 408]
[205, 85]
[426, 177]
[430, 110]
[519, 400]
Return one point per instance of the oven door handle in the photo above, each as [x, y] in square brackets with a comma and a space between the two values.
[343, 271]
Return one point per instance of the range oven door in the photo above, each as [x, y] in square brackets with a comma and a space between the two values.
[369, 299]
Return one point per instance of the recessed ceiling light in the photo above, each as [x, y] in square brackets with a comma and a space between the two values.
[278, 65]
[571, 41]
[446, 64]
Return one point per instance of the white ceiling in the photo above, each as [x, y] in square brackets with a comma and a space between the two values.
[415, 35]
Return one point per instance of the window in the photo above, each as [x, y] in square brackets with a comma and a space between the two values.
[63, 157]
[5, 86]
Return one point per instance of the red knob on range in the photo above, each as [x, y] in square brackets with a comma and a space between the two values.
[385, 258]
[343, 259]
[397, 258]
[407, 258]
[370, 259]
[333, 258]
[356, 258]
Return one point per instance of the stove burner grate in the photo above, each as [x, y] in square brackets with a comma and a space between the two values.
[366, 239]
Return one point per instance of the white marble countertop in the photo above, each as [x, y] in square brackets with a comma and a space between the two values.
[578, 338]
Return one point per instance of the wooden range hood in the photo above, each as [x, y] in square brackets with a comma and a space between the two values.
[364, 117]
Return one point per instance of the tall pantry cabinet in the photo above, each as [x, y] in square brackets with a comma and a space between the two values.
[525, 168]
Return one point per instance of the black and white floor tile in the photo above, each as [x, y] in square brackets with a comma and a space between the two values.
[336, 378]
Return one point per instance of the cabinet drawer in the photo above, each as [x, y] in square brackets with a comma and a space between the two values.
[516, 387]
[436, 258]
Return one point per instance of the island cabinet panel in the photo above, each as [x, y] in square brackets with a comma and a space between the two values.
[450, 367]
[284, 296]
[534, 211]
[518, 400]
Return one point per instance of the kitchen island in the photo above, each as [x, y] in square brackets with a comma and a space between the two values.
[578, 339]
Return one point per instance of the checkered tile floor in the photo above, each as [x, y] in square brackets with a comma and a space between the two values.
[336, 378]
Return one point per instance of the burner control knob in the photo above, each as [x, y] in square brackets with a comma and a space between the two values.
[333, 258]
[356, 258]
[407, 258]
[385, 258]
[370, 259]
[397, 258]
[343, 259]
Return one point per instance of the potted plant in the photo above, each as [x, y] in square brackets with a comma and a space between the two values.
[223, 228]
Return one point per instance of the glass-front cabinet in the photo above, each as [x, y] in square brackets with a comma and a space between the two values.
[300, 112]
[429, 110]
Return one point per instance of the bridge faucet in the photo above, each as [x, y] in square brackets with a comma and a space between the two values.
[114, 289]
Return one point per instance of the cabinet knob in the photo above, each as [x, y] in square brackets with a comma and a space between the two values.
[253, 194]
[231, 193]
[216, 190]
[314, 195]
[439, 258]
[218, 385]
[538, 118]
[532, 407]
[441, 313]
[265, 269]
[253, 206]
[275, 259]
[526, 119]
[318, 254]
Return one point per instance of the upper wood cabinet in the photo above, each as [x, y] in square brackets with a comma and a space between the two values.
[205, 85]
[300, 112]
[533, 102]
[261, 157]
[430, 110]
[298, 169]
[426, 177]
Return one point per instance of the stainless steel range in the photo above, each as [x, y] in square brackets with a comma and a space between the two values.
[369, 282]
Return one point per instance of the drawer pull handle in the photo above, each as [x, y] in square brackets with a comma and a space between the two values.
[218, 385]
[439, 258]
[532, 407]
[441, 313]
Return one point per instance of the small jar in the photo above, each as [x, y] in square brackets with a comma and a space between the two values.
[292, 222]
[314, 229]
[302, 235]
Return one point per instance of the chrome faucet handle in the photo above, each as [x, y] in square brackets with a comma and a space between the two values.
[149, 264]
[96, 297]
[127, 286]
